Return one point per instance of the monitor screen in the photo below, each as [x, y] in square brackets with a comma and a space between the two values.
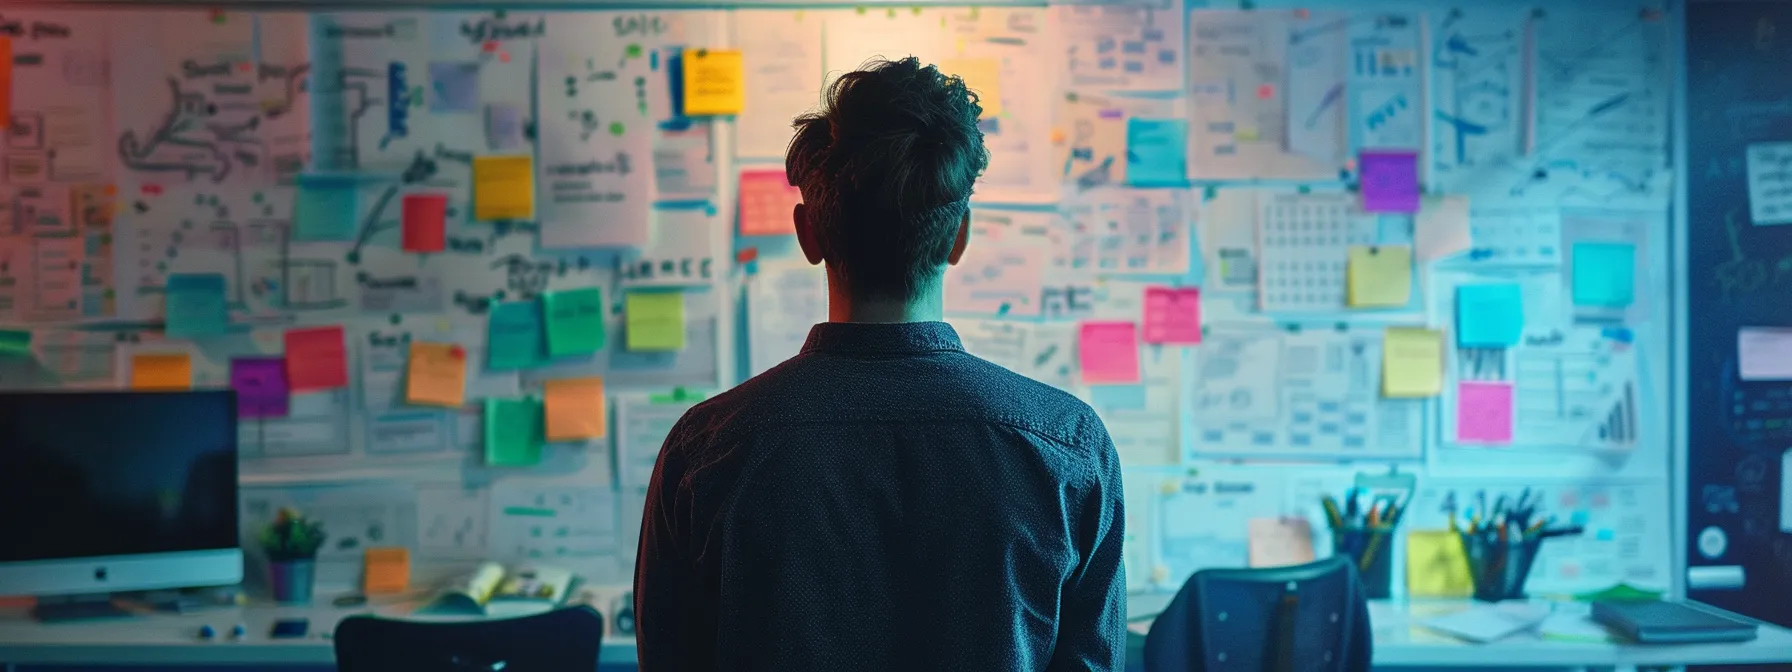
[90, 474]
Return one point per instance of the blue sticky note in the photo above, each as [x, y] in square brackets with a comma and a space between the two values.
[1156, 152]
[514, 336]
[1489, 316]
[194, 305]
[1604, 274]
[454, 87]
[326, 209]
[1117, 397]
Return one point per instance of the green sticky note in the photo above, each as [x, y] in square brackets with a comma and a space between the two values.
[325, 208]
[513, 338]
[1489, 316]
[655, 321]
[1604, 274]
[513, 432]
[15, 343]
[575, 321]
[194, 305]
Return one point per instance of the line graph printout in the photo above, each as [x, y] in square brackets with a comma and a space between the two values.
[1479, 110]
[1572, 387]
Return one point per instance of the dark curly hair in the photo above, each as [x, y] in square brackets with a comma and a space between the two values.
[885, 168]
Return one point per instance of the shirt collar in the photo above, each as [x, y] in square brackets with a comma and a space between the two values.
[882, 337]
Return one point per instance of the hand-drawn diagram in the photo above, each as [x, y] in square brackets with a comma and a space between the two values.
[1480, 89]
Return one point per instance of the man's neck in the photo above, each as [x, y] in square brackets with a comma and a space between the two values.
[842, 307]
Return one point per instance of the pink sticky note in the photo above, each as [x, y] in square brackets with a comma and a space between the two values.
[1173, 315]
[425, 222]
[1389, 181]
[1109, 353]
[316, 359]
[1484, 412]
[766, 202]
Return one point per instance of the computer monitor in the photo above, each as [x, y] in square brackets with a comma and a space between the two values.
[117, 491]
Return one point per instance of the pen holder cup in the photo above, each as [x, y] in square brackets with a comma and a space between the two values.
[1373, 558]
[1499, 569]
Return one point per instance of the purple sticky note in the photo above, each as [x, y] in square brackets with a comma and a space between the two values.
[261, 389]
[1389, 181]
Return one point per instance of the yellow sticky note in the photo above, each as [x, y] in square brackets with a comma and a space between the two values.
[981, 75]
[1379, 277]
[503, 187]
[437, 375]
[655, 321]
[162, 372]
[1436, 565]
[1412, 362]
[713, 82]
[574, 408]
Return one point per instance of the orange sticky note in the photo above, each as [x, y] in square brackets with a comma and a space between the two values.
[162, 372]
[437, 375]
[316, 359]
[574, 408]
[386, 570]
[425, 222]
[767, 203]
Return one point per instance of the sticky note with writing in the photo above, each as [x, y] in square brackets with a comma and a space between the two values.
[513, 432]
[260, 384]
[714, 82]
[575, 320]
[316, 359]
[1484, 412]
[503, 187]
[170, 371]
[574, 408]
[767, 203]
[437, 375]
[1389, 181]
[1604, 274]
[1489, 316]
[514, 337]
[1378, 276]
[1173, 315]
[1109, 353]
[425, 222]
[983, 76]
[655, 320]
[1412, 363]
[194, 305]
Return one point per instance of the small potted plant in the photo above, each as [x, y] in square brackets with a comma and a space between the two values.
[291, 544]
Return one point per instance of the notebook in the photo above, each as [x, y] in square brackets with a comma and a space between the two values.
[1655, 622]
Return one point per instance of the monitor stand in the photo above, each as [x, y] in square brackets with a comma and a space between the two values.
[64, 608]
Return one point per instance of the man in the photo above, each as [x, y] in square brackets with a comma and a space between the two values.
[883, 500]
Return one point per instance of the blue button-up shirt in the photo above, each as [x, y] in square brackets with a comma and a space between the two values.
[884, 501]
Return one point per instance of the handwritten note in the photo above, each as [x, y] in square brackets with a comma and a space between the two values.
[316, 359]
[574, 408]
[1770, 183]
[1378, 276]
[260, 384]
[1280, 542]
[1173, 315]
[513, 432]
[1389, 181]
[713, 82]
[1484, 412]
[655, 321]
[325, 208]
[454, 86]
[195, 306]
[514, 336]
[1412, 363]
[1436, 565]
[425, 223]
[1489, 316]
[983, 77]
[1109, 353]
[171, 371]
[437, 375]
[767, 203]
[1156, 152]
[1604, 274]
[575, 320]
[1764, 353]
[503, 187]
[15, 342]
[1441, 228]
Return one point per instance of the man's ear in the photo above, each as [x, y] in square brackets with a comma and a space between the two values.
[964, 238]
[805, 236]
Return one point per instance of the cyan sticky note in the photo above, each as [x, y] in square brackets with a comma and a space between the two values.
[325, 209]
[1156, 151]
[454, 87]
[1604, 274]
[1117, 397]
[1489, 316]
[194, 305]
[515, 336]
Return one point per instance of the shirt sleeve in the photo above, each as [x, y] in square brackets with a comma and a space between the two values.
[665, 576]
[1092, 625]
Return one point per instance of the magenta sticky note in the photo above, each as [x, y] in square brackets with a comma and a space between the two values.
[1484, 412]
[1109, 353]
[1389, 181]
[1173, 315]
[261, 389]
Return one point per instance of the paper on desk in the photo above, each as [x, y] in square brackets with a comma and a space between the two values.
[1489, 315]
[1279, 542]
[503, 187]
[514, 336]
[1412, 363]
[162, 371]
[316, 359]
[1604, 274]
[1109, 353]
[1484, 412]
[1378, 276]
[1441, 228]
[1389, 181]
[260, 384]
[436, 375]
[1436, 565]
[574, 320]
[713, 82]
[1488, 622]
[513, 432]
[425, 222]
[574, 408]
[1764, 353]
[655, 321]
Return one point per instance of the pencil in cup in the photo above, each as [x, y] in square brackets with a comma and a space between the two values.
[1367, 547]
[1499, 567]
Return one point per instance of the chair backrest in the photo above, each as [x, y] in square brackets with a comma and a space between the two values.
[1310, 617]
[565, 639]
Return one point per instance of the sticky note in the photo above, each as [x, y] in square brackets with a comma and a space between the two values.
[1173, 315]
[714, 82]
[260, 384]
[982, 76]
[454, 87]
[1764, 353]
[1436, 565]
[173, 371]
[1389, 181]
[1412, 363]
[1484, 412]
[15, 342]
[316, 359]
[1489, 316]
[1441, 228]
[574, 408]
[503, 187]
[655, 321]
[767, 203]
[575, 321]
[194, 305]
[436, 375]
[325, 208]
[503, 127]
[514, 338]
[1109, 353]
[1279, 542]
[6, 78]
[386, 570]
[1379, 276]
[1604, 274]
[1156, 151]
[425, 219]
[513, 432]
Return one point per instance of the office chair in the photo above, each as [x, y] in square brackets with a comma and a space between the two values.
[1306, 618]
[563, 639]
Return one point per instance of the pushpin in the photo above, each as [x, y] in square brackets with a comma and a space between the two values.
[206, 632]
[238, 631]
